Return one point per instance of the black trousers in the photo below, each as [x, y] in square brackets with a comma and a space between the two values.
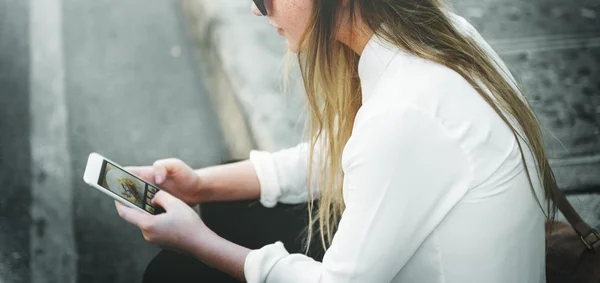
[246, 223]
[174, 267]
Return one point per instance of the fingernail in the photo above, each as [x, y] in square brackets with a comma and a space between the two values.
[158, 178]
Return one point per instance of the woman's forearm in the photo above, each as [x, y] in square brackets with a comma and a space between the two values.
[229, 182]
[221, 254]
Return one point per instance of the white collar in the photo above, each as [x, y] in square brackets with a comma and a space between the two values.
[374, 60]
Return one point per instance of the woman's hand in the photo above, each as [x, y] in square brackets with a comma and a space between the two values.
[173, 176]
[179, 228]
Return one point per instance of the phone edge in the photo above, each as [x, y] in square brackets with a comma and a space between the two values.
[88, 178]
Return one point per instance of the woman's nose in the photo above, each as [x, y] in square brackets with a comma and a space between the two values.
[255, 10]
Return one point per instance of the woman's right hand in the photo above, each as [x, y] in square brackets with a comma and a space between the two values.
[173, 176]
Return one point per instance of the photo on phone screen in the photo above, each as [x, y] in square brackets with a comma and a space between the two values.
[127, 186]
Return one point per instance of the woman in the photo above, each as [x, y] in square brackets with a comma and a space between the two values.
[428, 160]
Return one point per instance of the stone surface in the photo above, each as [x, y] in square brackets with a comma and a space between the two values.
[131, 100]
[15, 157]
[133, 93]
[588, 206]
[505, 19]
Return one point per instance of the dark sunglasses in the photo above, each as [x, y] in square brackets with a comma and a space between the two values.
[261, 6]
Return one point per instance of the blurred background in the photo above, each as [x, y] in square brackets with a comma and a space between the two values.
[199, 80]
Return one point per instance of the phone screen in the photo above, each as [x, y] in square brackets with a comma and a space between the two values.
[128, 187]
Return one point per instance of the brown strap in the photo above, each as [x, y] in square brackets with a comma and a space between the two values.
[588, 235]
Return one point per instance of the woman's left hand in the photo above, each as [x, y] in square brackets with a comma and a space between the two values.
[179, 228]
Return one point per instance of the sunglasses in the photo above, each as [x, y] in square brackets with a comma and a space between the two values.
[261, 6]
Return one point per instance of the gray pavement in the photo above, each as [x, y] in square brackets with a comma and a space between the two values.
[125, 76]
[15, 158]
[134, 95]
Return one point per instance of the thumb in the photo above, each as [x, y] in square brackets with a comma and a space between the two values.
[166, 167]
[163, 199]
[161, 169]
[131, 215]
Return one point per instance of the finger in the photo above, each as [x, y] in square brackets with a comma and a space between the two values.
[144, 172]
[131, 215]
[164, 200]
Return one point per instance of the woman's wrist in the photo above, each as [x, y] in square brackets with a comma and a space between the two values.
[229, 182]
[203, 181]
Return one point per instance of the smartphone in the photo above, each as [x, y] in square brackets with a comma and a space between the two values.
[116, 182]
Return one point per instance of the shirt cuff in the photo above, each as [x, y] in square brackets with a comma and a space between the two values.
[259, 262]
[264, 165]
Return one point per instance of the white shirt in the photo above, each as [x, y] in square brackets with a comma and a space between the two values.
[434, 185]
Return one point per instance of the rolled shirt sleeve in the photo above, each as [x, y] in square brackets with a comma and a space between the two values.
[283, 175]
[404, 172]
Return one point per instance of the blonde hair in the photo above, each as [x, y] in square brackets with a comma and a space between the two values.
[329, 71]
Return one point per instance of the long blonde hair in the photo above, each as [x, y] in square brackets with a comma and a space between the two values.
[329, 71]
